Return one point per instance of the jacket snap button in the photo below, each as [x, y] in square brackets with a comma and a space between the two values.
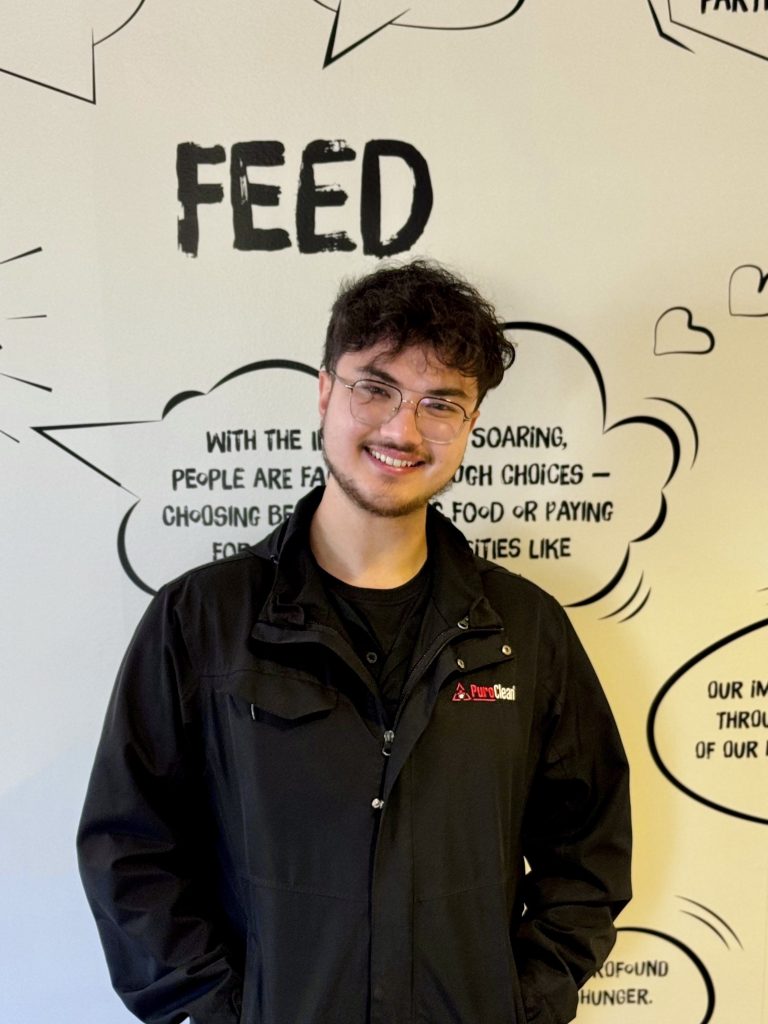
[506, 649]
[460, 662]
[463, 623]
[371, 657]
[377, 804]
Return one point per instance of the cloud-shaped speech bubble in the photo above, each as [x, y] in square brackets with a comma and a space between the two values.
[650, 975]
[355, 21]
[676, 333]
[747, 295]
[549, 488]
[215, 473]
[708, 725]
[739, 24]
[52, 44]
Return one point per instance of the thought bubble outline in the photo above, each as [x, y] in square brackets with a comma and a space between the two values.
[668, 431]
[691, 327]
[397, 22]
[651, 724]
[696, 960]
[697, 31]
[170, 405]
[94, 43]
[651, 421]
[761, 288]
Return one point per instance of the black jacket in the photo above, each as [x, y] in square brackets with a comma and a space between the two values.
[256, 850]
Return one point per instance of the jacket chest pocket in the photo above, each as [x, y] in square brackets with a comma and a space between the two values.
[283, 700]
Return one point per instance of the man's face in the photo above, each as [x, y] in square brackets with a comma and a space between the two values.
[360, 456]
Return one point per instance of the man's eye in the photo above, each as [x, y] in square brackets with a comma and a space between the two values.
[372, 391]
[435, 407]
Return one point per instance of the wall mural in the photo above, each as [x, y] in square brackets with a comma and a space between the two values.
[171, 246]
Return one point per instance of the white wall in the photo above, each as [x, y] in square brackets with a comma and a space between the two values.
[599, 170]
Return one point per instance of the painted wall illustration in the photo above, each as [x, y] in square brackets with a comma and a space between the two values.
[183, 188]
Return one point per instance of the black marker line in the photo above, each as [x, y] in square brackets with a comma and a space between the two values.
[122, 554]
[268, 364]
[760, 288]
[21, 255]
[651, 722]
[93, 68]
[629, 600]
[32, 384]
[603, 590]
[662, 33]
[692, 328]
[716, 39]
[569, 339]
[442, 28]
[660, 520]
[261, 364]
[330, 57]
[12, 438]
[639, 608]
[688, 417]
[698, 917]
[43, 431]
[80, 458]
[178, 399]
[56, 88]
[120, 27]
[696, 960]
[717, 917]
[666, 429]
[29, 316]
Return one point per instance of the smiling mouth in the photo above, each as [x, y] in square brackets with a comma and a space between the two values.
[389, 460]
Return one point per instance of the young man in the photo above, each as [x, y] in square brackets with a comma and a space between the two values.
[295, 816]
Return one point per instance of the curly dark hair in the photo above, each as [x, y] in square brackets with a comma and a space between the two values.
[419, 303]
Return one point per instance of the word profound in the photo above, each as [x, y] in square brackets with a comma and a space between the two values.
[245, 195]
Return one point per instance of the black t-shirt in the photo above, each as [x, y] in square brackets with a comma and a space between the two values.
[383, 626]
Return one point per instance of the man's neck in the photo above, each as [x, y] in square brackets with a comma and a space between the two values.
[364, 549]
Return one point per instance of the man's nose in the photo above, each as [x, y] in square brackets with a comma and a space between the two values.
[404, 425]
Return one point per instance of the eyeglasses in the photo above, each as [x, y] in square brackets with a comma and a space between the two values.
[374, 403]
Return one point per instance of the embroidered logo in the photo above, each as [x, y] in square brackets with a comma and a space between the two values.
[485, 693]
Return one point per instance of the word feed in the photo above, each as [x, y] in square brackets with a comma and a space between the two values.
[247, 497]
[247, 195]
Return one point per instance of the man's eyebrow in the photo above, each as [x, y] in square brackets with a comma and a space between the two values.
[372, 370]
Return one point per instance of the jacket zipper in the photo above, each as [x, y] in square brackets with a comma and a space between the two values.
[440, 642]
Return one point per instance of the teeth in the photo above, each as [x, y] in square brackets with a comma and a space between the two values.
[388, 461]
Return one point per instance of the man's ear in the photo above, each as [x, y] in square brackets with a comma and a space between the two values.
[325, 384]
[473, 419]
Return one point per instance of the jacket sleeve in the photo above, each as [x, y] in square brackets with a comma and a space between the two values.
[576, 837]
[140, 854]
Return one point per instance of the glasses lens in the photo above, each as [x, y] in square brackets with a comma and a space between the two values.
[373, 402]
[439, 420]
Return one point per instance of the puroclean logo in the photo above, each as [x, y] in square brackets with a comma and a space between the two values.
[473, 691]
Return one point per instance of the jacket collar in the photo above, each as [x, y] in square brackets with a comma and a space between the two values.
[297, 597]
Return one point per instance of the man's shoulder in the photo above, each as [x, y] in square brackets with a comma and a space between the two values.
[511, 584]
[236, 580]
[523, 605]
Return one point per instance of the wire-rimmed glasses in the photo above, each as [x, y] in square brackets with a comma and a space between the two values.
[375, 403]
